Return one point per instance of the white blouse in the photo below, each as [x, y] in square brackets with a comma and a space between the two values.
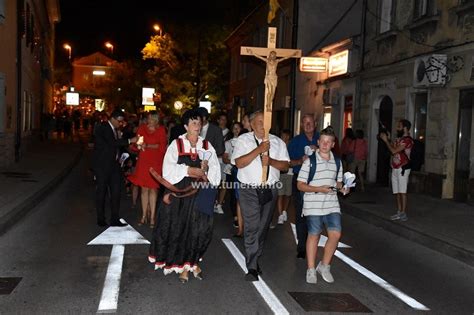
[174, 172]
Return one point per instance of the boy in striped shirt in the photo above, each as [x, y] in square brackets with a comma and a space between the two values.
[321, 206]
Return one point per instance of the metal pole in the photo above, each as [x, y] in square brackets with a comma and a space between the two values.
[20, 20]
[357, 104]
[294, 44]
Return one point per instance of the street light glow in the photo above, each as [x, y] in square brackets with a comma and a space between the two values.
[98, 72]
[157, 28]
[110, 46]
[69, 49]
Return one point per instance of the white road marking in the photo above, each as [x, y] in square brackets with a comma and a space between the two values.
[110, 292]
[114, 235]
[267, 294]
[118, 237]
[374, 278]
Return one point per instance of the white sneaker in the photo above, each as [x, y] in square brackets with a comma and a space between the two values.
[396, 216]
[285, 216]
[281, 219]
[218, 209]
[325, 272]
[311, 276]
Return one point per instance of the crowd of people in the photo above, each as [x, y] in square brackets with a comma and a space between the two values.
[184, 171]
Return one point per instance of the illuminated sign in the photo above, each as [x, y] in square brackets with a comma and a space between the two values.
[147, 96]
[313, 64]
[99, 104]
[338, 63]
[72, 98]
[98, 72]
[149, 108]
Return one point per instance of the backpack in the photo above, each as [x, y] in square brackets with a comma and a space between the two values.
[313, 163]
[417, 156]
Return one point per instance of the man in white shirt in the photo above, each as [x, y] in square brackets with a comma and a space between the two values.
[257, 211]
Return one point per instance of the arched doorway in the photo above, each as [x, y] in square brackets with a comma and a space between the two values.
[383, 154]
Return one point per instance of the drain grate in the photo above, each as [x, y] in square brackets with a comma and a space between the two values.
[7, 285]
[329, 302]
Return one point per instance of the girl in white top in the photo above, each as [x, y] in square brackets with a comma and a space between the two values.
[232, 176]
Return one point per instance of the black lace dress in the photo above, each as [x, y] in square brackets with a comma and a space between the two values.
[183, 233]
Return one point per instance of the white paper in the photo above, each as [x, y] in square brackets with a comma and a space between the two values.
[123, 158]
[308, 150]
[204, 155]
[349, 180]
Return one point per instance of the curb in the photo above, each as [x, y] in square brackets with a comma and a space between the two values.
[21, 210]
[411, 234]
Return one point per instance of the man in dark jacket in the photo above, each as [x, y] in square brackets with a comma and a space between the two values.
[211, 132]
[106, 167]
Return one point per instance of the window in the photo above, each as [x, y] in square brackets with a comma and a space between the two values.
[386, 15]
[327, 116]
[2, 11]
[423, 8]
[421, 107]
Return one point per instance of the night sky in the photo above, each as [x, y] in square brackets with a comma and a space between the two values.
[87, 24]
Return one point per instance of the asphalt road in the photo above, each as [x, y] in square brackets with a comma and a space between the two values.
[61, 274]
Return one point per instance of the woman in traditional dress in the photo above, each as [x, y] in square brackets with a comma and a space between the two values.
[184, 226]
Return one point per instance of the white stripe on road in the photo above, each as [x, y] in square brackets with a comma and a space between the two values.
[381, 282]
[267, 294]
[110, 293]
[376, 279]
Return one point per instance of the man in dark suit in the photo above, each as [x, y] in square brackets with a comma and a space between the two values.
[211, 132]
[106, 167]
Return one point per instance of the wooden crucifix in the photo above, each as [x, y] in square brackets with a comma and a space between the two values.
[269, 55]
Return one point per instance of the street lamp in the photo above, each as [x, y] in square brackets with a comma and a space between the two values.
[157, 28]
[178, 105]
[69, 49]
[110, 46]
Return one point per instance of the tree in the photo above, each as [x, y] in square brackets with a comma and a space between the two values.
[124, 85]
[198, 62]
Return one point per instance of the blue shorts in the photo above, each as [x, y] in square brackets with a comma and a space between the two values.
[316, 223]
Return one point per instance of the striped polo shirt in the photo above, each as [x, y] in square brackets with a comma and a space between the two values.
[320, 203]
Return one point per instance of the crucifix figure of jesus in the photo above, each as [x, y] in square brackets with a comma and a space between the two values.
[271, 77]
[270, 56]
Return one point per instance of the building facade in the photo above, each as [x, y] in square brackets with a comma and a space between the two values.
[404, 59]
[418, 66]
[91, 74]
[27, 35]
[331, 31]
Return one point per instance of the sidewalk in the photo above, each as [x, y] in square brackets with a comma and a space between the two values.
[442, 225]
[23, 185]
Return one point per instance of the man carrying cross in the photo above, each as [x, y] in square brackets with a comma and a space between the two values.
[271, 78]
[257, 199]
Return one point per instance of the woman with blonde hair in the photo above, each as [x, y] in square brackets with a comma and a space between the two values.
[151, 153]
